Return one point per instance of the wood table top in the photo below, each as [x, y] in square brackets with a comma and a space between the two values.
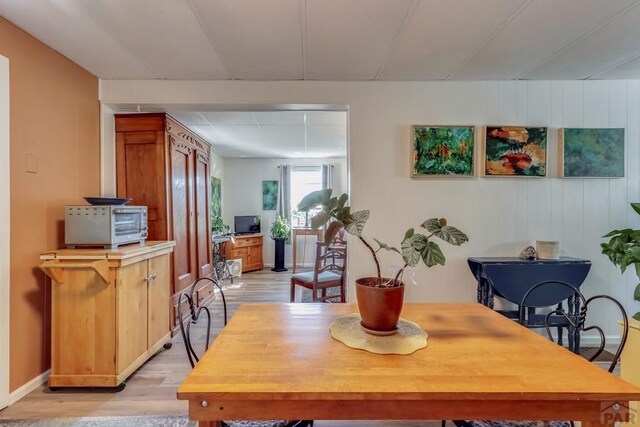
[285, 352]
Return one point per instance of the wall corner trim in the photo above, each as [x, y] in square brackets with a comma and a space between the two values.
[27, 388]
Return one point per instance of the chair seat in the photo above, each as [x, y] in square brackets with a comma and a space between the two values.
[325, 276]
[511, 423]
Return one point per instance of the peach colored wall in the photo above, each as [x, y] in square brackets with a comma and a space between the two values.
[55, 160]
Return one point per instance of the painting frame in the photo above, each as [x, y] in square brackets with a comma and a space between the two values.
[526, 153]
[583, 153]
[467, 157]
[270, 195]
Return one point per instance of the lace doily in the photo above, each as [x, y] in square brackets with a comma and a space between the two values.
[409, 338]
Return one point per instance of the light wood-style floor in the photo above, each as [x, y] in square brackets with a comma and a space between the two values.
[152, 389]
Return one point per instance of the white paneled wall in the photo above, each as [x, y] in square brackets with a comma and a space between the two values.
[501, 215]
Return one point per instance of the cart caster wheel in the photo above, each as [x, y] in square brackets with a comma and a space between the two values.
[54, 389]
[167, 345]
[119, 388]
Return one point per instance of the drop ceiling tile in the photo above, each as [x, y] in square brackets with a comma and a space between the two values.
[64, 27]
[441, 35]
[234, 118]
[284, 136]
[537, 33]
[600, 51]
[326, 138]
[269, 118]
[350, 40]
[163, 33]
[627, 70]
[189, 118]
[243, 136]
[331, 118]
[258, 40]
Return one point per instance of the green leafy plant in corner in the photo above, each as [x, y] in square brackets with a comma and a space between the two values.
[623, 249]
[217, 225]
[415, 247]
[280, 228]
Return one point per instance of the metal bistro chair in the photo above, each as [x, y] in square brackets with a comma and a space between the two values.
[329, 272]
[577, 322]
[185, 330]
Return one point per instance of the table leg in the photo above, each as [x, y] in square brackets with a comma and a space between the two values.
[480, 293]
[294, 250]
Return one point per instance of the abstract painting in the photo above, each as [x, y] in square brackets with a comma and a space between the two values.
[216, 197]
[269, 195]
[442, 151]
[591, 153]
[515, 151]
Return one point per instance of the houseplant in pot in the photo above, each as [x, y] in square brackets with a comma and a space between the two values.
[279, 232]
[380, 298]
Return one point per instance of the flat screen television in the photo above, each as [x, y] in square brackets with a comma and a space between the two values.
[246, 224]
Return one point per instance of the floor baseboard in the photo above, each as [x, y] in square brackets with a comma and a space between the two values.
[27, 388]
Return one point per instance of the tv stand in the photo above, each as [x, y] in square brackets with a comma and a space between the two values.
[247, 247]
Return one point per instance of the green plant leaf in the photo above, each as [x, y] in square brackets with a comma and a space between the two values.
[636, 293]
[611, 233]
[356, 222]
[331, 232]
[636, 207]
[320, 219]
[412, 249]
[313, 199]
[451, 235]
[432, 255]
[637, 316]
[386, 247]
[332, 204]
[342, 200]
[432, 224]
[637, 265]
[408, 234]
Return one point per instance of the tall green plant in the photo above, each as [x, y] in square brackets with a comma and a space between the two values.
[280, 228]
[336, 214]
[623, 250]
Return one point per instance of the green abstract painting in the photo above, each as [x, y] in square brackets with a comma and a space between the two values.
[592, 153]
[442, 151]
[216, 197]
[269, 195]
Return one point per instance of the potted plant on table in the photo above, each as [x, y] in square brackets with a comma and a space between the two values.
[380, 298]
[279, 232]
[218, 226]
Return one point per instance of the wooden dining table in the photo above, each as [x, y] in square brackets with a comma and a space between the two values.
[279, 361]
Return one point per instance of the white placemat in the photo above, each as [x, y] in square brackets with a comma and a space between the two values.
[409, 338]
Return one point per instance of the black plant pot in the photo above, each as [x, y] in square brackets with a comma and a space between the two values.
[279, 261]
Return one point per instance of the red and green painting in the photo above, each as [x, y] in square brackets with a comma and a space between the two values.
[442, 151]
[515, 151]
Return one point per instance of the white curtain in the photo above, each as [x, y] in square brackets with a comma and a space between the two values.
[327, 176]
[284, 192]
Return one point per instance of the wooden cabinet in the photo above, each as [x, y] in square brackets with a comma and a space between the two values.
[164, 166]
[109, 311]
[249, 249]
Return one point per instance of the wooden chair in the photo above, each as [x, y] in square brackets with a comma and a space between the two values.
[185, 331]
[329, 272]
[576, 318]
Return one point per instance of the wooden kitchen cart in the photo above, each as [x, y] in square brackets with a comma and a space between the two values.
[109, 311]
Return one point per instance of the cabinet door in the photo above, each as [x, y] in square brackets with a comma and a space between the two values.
[184, 253]
[159, 285]
[132, 313]
[202, 208]
[140, 174]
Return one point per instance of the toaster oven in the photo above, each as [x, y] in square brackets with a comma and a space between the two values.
[106, 226]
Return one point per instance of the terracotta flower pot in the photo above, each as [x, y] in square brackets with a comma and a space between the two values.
[380, 307]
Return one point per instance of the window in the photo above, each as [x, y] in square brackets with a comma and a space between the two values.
[304, 180]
